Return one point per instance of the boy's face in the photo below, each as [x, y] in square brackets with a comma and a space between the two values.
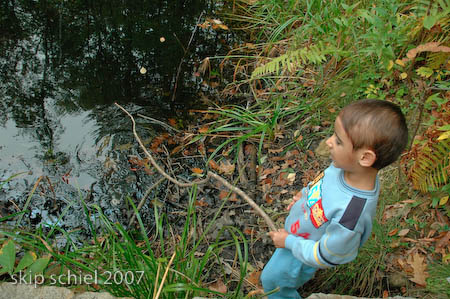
[341, 148]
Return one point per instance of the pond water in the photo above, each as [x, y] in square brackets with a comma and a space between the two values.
[63, 64]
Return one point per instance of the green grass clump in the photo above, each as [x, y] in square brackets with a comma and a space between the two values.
[133, 264]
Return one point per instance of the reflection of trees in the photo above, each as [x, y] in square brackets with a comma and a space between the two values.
[94, 49]
[85, 55]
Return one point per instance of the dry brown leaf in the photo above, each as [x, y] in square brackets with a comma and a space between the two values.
[197, 170]
[269, 199]
[428, 47]
[396, 210]
[203, 130]
[403, 232]
[443, 242]
[226, 167]
[218, 286]
[213, 165]
[224, 193]
[253, 277]
[172, 122]
[255, 293]
[419, 266]
[276, 151]
[393, 232]
[249, 231]
[201, 203]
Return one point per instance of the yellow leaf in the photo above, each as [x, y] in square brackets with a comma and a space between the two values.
[390, 65]
[143, 70]
[162, 39]
[400, 62]
[403, 76]
[443, 200]
[444, 135]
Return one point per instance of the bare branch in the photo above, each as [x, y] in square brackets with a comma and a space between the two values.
[210, 174]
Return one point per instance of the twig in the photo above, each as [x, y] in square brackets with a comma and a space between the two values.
[141, 203]
[246, 198]
[152, 160]
[209, 174]
[181, 62]
[159, 123]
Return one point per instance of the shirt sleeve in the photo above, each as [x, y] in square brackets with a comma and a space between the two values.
[339, 245]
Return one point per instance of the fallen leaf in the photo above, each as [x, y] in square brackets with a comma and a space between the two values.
[385, 294]
[291, 177]
[256, 292]
[443, 242]
[393, 232]
[197, 170]
[249, 231]
[205, 25]
[218, 286]
[213, 165]
[253, 277]
[201, 203]
[400, 62]
[172, 122]
[403, 232]
[203, 130]
[226, 167]
[224, 193]
[419, 266]
[269, 199]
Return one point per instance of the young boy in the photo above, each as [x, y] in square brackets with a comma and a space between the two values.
[332, 217]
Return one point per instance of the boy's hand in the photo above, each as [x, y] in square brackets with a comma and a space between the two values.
[294, 200]
[279, 237]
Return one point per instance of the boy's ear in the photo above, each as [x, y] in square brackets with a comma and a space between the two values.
[367, 158]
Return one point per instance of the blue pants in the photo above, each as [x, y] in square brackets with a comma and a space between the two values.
[285, 271]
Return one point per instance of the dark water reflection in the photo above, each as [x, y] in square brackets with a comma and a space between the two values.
[62, 66]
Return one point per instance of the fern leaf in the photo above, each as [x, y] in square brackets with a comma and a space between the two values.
[293, 59]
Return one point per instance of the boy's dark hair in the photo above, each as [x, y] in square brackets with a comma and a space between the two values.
[376, 124]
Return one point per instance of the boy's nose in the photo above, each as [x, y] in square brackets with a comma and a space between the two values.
[328, 142]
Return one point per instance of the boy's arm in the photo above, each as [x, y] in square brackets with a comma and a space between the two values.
[339, 245]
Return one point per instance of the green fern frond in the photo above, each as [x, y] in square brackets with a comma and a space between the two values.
[293, 59]
[431, 167]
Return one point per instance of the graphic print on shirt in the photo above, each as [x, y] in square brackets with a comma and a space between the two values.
[295, 227]
[314, 202]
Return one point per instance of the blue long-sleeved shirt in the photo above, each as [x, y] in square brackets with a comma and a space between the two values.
[331, 220]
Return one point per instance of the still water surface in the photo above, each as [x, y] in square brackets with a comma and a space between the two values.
[62, 66]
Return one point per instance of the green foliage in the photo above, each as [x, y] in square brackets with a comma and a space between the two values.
[29, 264]
[131, 263]
[292, 59]
[260, 122]
[438, 280]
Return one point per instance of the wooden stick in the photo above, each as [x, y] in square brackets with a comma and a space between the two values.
[210, 174]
